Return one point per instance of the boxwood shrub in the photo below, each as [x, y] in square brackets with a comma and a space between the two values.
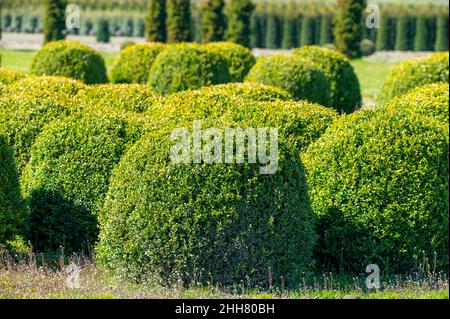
[11, 205]
[212, 223]
[413, 73]
[70, 59]
[8, 76]
[187, 66]
[239, 58]
[125, 97]
[430, 100]
[67, 177]
[378, 185]
[245, 91]
[134, 63]
[23, 117]
[46, 87]
[345, 89]
[300, 78]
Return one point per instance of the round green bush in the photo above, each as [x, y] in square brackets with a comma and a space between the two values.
[300, 78]
[126, 97]
[11, 205]
[67, 177]
[413, 73]
[70, 59]
[430, 100]
[212, 223]
[187, 66]
[378, 184]
[345, 89]
[134, 63]
[9, 76]
[23, 117]
[239, 58]
[246, 91]
[46, 87]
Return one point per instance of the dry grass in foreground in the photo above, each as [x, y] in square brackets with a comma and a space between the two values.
[34, 279]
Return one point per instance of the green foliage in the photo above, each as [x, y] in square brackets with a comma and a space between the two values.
[11, 206]
[300, 78]
[273, 34]
[134, 63]
[307, 30]
[9, 76]
[67, 177]
[345, 89]
[257, 29]
[431, 100]
[413, 73]
[25, 109]
[187, 66]
[212, 223]
[70, 59]
[403, 33]
[289, 38]
[120, 97]
[103, 33]
[238, 13]
[383, 41]
[178, 21]
[421, 38]
[442, 31]
[239, 59]
[367, 47]
[348, 30]
[213, 22]
[55, 21]
[155, 21]
[326, 27]
[378, 184]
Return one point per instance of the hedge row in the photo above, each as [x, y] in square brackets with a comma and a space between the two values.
[274, 25]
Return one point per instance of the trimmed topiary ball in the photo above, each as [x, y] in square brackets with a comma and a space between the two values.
[239, 58]
[9, 76]
[413, 73]
[134, 63]
[120, 97]
[11, 206]
[67, 177]
[430, 100]
[345, 89]
[23, 117]
[70, 59]
[187, 66]
[378, 184]
[300, 78]
[212, 223]
[46, 87]
[246, 91]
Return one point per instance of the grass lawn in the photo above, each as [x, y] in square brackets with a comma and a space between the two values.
[371, 72]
